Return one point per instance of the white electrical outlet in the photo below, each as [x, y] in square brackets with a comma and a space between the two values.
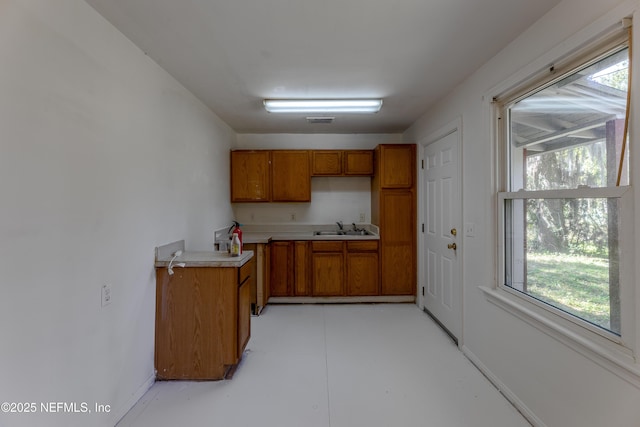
[362, 217]
[470, 229]
[106, 294]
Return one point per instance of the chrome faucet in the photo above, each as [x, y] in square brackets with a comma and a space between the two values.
[340, 225]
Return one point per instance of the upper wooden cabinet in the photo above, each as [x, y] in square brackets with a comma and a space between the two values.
[358, 162]
[326, 162]
[290, 176]
[396, 165]
[250, 176]
[270, 176]
[342, 162]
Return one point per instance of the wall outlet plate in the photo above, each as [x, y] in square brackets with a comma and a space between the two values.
[106, 294]
[469, 229]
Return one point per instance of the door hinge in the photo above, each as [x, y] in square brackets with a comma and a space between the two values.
[423, 291]
[423, 227]
[422, 163]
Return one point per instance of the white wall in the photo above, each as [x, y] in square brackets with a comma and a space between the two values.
[103, 156]
[558, 386]
[332, 198]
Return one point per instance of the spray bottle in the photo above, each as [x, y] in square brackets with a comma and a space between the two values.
[235, 229]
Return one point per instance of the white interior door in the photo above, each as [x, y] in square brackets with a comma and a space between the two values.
[442, 236]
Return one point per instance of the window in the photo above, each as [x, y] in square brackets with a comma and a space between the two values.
[563, 211]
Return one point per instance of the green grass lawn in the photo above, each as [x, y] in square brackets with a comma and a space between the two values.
[576, 284]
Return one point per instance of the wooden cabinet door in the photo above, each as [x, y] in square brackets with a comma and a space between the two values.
[358, 162]
[196, 322]
[290, 176]
[328, 274]
[244, 316]
[398, 242]
[326, 163]
[327, 268]
[363, 268]
[281, 276]
[362, 274]
[253, 265]
[301, 269]
[250, 176]
[396, 165]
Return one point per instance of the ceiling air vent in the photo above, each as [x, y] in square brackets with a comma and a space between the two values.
[320, 119]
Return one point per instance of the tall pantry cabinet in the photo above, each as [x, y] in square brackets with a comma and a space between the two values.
[393, 209]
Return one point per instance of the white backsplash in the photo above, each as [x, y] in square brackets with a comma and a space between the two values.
[332, 199]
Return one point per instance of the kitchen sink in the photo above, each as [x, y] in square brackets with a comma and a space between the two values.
[356, 233]
[342, 233]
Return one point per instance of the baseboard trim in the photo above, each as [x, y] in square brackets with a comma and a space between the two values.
[119, 414]
[444, 328]
[503, 389]
[340, 300]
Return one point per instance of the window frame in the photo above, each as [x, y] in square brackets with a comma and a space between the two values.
[624, 194]
[617, 353]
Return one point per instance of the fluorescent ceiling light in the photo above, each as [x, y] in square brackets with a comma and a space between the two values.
[323, 105]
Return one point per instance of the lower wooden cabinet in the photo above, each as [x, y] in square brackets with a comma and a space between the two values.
[363, 277]
[203, 321]
[281, 271]
[301, 285]
[259, 278]
[244, 317]
[398, 242]
[323, 268]
[327, 268]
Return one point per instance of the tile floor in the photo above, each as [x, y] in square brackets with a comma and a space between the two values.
[336, 366]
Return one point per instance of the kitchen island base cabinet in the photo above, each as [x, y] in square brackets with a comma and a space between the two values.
[202, 321]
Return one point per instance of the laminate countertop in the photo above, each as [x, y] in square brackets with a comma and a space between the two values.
[207, 259]
[275, 232]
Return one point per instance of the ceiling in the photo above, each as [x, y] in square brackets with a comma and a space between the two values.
[232, 54]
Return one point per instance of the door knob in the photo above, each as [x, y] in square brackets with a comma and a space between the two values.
[454, 232]
[452, 246]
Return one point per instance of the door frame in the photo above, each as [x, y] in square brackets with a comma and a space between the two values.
[449, 128]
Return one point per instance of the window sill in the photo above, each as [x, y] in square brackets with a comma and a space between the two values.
[616, 358]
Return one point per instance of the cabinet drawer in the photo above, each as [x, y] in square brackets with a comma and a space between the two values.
[245, 271]
[363, 246]
[326, 246]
